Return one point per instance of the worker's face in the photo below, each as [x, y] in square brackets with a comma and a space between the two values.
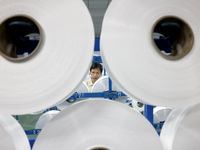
[95, 74]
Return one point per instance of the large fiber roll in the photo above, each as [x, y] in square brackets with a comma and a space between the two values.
[83, 88]
[160, 114]
[102, 84]
[61, 58]
[44, 118]
[138, 64]
[12, 136]
[98, 124]
[181, 130]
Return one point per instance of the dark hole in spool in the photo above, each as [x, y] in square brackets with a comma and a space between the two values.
[172, 37]
[99, 148]
[20, 37]
[140, 104]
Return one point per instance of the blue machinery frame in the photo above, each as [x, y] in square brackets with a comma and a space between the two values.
[148, 109]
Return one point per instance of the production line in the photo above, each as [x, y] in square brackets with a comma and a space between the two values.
[99, 75]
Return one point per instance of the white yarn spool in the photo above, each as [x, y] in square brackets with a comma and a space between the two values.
[181, 129]
[98, 124]
[12, 136]
[160, 114]
[83, 88]
[50, 75]
[45, 118]
[136, 65]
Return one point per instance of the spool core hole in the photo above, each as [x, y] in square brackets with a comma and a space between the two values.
[140, 105]
[172, 37]
[99, 148]
[20, 37]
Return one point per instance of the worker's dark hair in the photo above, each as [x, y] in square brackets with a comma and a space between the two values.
[96, 65]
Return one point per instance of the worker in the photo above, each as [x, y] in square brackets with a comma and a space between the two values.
[95, 72]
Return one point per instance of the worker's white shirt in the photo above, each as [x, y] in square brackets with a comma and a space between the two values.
[89, 84]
